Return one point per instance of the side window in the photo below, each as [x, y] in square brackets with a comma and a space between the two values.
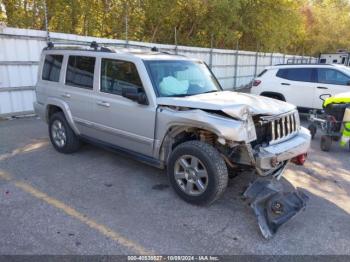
[80, 71]
[296, 74]
[116, 74]
[331, 76]
[282, 73]
[52, 68]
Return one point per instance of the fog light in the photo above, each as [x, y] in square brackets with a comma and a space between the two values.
[274, 162]
[300, 159]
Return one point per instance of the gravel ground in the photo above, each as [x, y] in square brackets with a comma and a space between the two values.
[98, 202]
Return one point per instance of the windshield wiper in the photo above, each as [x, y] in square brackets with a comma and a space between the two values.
[178, 95]
[211, 91]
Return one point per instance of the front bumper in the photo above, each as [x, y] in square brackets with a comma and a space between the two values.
[268, 156]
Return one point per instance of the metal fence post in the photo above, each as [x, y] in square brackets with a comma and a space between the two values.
[256, 61]
[46, 23]
[271, 58]
[126, 25]
[236, 66]
[211, 52]
[175, 36]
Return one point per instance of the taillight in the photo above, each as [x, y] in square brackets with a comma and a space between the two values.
[256, 82]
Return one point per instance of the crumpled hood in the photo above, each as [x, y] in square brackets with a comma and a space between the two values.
[235, 104]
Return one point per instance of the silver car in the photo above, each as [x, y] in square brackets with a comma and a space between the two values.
[170, 111]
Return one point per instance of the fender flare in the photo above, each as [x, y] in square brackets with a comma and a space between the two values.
[65, 109]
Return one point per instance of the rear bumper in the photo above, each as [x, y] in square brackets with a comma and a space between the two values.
[283, 151]
[39, 109]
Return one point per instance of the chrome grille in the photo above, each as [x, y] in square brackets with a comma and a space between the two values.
[281, 127]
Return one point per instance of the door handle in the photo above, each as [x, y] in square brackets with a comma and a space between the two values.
[285, 84]
[322, 87]
[103, 103]
[66, 95]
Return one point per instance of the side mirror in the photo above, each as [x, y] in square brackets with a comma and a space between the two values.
[135, 94]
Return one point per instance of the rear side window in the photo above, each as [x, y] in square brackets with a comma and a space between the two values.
[52, 68]
[296, 74]
[331, 76]
[80, 71]
[116, 74]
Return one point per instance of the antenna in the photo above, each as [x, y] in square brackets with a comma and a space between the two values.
[46, 24]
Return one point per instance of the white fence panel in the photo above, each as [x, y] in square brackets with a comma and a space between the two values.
[20, 51]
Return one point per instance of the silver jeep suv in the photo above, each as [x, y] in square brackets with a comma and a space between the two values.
[170, 111]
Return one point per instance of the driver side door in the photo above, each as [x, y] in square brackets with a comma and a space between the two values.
[118, 120]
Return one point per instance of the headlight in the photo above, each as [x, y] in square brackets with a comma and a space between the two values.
[250, 128]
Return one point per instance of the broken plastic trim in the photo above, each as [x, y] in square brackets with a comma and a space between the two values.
[272, 205]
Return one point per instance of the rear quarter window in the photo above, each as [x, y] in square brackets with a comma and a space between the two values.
[52, 68]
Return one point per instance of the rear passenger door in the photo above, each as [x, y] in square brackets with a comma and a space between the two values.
[118, 120]
[330, 81]
[78, 91]
[298, 85]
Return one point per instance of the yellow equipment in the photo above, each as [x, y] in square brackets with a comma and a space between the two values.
[345, 138]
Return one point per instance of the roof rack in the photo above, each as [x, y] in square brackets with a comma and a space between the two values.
[102, 47]
[94, 45]
[303, 64]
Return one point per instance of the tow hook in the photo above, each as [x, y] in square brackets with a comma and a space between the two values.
[300, 159]
[272, 205]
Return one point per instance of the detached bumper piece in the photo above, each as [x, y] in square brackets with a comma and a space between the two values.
[273, 206]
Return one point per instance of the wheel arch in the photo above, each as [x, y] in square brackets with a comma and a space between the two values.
[274, 95]
[54, 105]
[178, 134]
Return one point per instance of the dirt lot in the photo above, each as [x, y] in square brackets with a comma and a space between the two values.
[98, 202]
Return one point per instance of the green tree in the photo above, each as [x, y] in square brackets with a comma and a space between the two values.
[295, 26]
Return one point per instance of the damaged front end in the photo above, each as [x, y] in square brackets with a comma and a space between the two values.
[286, 141]
[272, 205]
[246, 141]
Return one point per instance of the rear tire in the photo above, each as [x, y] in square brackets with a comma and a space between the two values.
[197, 172]
[326, 143]
[62, 137]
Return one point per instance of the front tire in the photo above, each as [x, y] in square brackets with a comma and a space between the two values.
[197, 172]
[62, 137]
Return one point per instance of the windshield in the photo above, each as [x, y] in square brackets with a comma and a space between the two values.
[181, 78]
